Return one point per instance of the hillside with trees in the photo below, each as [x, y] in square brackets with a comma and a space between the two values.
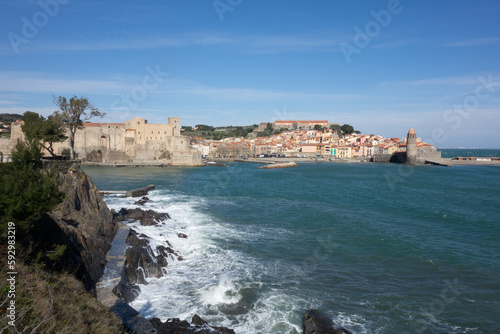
[9, 118]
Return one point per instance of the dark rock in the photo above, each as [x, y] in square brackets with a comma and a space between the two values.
[156, 322]
[126, 291]
[198, 325]
[171, 326]
[161, 260]
[146, 217]
[142, 201]
[317, 323]
[182, 235]
[82, 222]
[197, 320]
[165, 250]
[223, 330]
[141, 263]
[162, 256]
[135, 240]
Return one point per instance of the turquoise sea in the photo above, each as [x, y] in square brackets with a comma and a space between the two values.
[379, 248]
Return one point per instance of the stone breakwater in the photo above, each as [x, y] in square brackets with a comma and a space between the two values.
[281, 165]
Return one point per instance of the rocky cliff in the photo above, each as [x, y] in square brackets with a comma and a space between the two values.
[82, 222]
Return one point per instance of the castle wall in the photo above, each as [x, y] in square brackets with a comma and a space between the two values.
[132, 141]
[428, 153]
[5, 145]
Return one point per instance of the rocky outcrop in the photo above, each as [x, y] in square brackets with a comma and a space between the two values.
[145, 217]
[82, 222]
[141, 261]
[317, 323]
[197, 325]
[142, 201]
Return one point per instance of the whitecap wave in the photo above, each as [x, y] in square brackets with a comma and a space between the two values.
[223, 285]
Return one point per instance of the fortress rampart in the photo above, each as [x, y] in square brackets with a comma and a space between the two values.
[136, 140]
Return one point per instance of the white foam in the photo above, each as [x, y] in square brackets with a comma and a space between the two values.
[223, 285]
[225, 292]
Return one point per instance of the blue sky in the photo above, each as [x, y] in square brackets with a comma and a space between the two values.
[382, 66]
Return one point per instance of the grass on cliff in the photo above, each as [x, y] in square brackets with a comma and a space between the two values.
[52, 303]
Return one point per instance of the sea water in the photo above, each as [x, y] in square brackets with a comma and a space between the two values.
[379, 248]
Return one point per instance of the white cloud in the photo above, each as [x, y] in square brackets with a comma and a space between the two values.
[249, 44]
[450, 81]
[37, 82]
[475, 42]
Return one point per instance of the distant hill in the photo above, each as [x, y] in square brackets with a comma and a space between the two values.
[9, 118]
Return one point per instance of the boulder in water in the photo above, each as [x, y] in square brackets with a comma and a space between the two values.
[146, 217]
[142, 201]
[197, 325]
[317, 323]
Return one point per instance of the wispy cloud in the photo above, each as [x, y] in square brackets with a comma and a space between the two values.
[396, 43]
[139, 43]
[289, 44]
[475, 42]
[248, 44]
[449, 81]
[252, 94]
[37, 82]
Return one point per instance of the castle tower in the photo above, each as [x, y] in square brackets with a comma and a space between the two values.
[175, 122]
[411, 147]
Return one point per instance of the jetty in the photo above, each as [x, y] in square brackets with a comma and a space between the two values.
[213, 163]
[130, 193]
[465, 161]
[282, 165]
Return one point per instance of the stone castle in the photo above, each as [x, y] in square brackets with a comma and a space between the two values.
[135, 141]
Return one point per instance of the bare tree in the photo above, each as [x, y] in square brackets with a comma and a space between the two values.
[73, 113]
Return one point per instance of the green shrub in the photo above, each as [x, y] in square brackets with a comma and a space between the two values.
[26, 191]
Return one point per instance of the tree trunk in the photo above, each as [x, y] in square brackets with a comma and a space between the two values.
[72, 145]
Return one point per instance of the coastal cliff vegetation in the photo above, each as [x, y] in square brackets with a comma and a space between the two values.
[53, 282]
